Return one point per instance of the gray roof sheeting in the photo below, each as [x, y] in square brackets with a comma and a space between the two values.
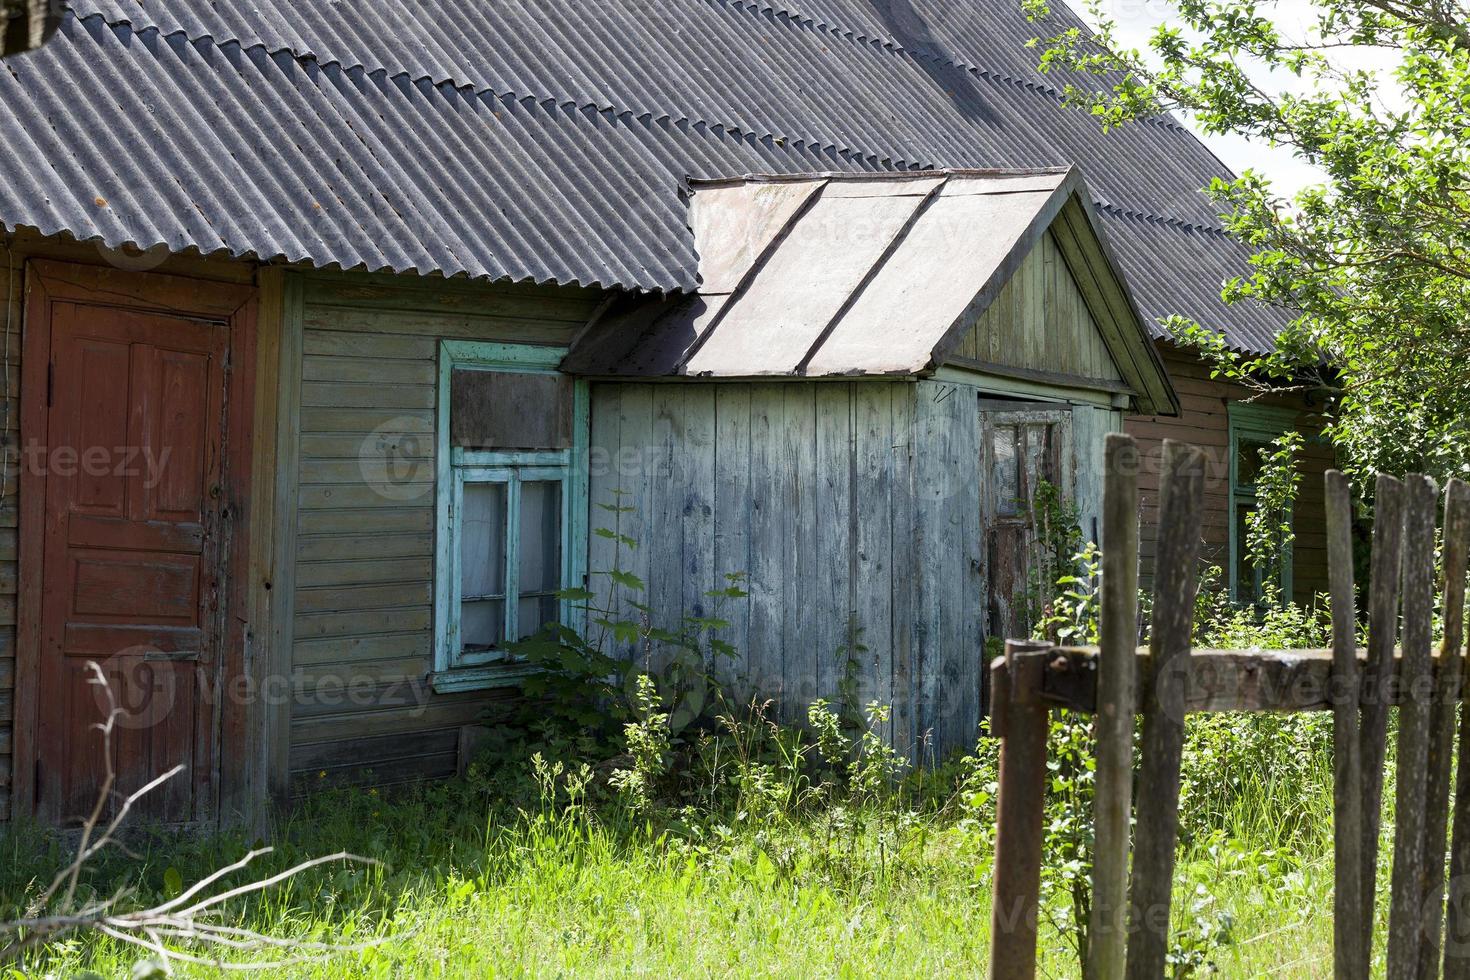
[549, 141]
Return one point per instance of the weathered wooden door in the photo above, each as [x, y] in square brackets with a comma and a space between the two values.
[1026, 445]
[134, 545]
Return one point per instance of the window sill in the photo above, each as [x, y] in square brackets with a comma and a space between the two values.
[480, 678]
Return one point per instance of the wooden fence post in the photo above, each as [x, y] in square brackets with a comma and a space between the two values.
[1176, 579]
[1383, 630]
[1442, 730]
[1117, 700]
[1456, 557]
[1021, 811]
[1406, 921]
[1349, 957]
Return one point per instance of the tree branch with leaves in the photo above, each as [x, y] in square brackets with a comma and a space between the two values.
[1372, 264]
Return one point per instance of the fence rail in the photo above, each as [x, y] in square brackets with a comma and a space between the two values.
[1128, 935]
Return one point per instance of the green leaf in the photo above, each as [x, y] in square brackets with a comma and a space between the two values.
[627, 579]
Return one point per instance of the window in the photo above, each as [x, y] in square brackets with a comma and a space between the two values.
[511, 492]
[1253, 428]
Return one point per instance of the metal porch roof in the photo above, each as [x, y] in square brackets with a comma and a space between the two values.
[837, 274]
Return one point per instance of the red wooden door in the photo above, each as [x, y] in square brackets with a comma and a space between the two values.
[133, 557]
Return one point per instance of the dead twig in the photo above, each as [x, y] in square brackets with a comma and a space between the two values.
[185, 920]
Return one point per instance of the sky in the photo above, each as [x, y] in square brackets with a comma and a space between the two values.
[1136, 19]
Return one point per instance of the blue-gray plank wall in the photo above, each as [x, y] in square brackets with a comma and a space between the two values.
[853, 510]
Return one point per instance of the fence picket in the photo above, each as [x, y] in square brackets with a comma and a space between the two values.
[1116, 700]
[1442, 729]
[1035, 677]
[1456, 557]
[1349, 959]
[1385, 581]
[1176, 576]
[1406, 917]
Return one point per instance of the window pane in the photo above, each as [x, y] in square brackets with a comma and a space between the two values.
[482, 541]
[540, 536]
[534, 613]
[481, 624]
[1005, 481]
[1247, 580]
[540, 555]
[1248, 460]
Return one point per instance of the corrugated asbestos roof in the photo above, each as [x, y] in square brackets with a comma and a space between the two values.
[861, 274]
[549, 141]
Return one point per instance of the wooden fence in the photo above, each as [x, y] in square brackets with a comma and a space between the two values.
[1129, 929]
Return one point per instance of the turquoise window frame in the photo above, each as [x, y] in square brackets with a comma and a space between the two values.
[456, 466]
[1257, 423]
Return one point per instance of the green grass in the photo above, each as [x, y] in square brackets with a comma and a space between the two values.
[483, 877]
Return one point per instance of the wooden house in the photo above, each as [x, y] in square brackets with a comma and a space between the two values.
[328, 328]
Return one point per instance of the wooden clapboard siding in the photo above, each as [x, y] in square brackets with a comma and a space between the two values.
[361, 616]
[1204, 421]
[1040, 322]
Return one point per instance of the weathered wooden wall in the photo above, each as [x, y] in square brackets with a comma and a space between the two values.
[854, 510]
[361, 626]
[1040, 322]
[1205, 422]
[12, 280]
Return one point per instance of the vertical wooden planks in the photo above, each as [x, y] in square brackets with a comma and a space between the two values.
[666, 493]
[947, 529]
[697, 506]
[732, 519]
[1385, 570]
[802, 658]
[767, 539]
[1456, 555]
[1442, 727]
[966, 508]
[602, 480]
[1406, 910]
[1181, 508]
[1021, 815]
[903, 572]
[834, 542]
[931, 544]
[638, 460]
[1116, 699]
[871, 539]
[1349, 947]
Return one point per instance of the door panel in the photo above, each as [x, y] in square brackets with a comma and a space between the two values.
[1024, 446]
[132, 557]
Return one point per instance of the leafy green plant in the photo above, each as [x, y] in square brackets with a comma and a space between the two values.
[1269, 531]
[586, 685]
[1076, 604]
[647, 737]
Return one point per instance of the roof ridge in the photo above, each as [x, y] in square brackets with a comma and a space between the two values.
[896, 164]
